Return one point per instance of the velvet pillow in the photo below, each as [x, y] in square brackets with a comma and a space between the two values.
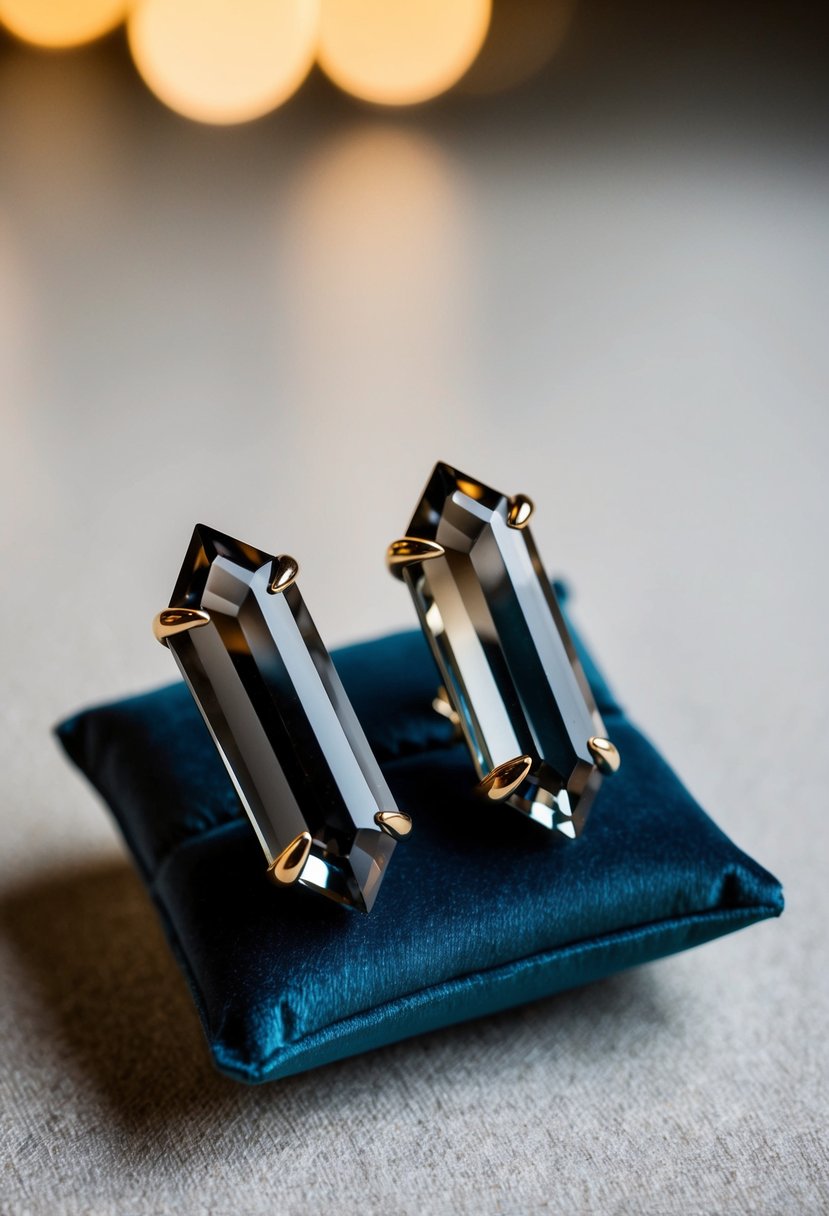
[480, 910]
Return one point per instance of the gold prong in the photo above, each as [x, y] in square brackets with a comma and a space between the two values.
[394, 823]
[408, 551]
[285, 571]
[505, 779]
[287, 867]
[605, 756]
[177, 620]
[443, 706]
[520, 511]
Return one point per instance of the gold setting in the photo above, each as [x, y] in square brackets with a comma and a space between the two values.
[178, 620]
[505, 778]
[285, 573]
[288, 866]
[520, 511]
[396, 824]
[605, 756]
[408, 551]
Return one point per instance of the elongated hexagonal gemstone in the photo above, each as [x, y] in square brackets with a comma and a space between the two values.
[243, 638]
[503, 651]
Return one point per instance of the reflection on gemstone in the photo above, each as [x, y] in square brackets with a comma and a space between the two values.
[280, 717]
[503, 651]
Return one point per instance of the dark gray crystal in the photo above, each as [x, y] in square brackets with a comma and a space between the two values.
[281, 719]
[503, 650]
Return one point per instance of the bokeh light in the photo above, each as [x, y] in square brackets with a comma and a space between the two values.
[224, 61]
[375, 227]
[376, 299]
[61, 23]
[524, 35]
[400, 52]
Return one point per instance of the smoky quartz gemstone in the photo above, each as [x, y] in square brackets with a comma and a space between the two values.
[513, 682]
[271, 697]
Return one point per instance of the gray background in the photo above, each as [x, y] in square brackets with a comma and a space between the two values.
[609, 291]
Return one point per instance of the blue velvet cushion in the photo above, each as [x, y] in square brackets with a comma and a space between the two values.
[480, 910]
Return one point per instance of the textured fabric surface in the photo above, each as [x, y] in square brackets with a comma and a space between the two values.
[480, 910]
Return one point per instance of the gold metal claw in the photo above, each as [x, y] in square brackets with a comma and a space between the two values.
[393, 823]
[605, 756]
[505, 779]
[285, 571]
[408, 551]
[520, 510]
[287, 867]
[177, 620]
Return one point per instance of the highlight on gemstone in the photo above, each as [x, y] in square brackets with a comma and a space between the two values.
[271, 697]
[503, 651]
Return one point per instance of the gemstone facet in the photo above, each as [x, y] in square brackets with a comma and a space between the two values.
[503, 651]
[271, 697]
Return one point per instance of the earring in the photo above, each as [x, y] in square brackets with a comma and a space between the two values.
[270, 695]
[511, 680]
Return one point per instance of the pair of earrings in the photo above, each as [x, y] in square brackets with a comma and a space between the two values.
[292, 744]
